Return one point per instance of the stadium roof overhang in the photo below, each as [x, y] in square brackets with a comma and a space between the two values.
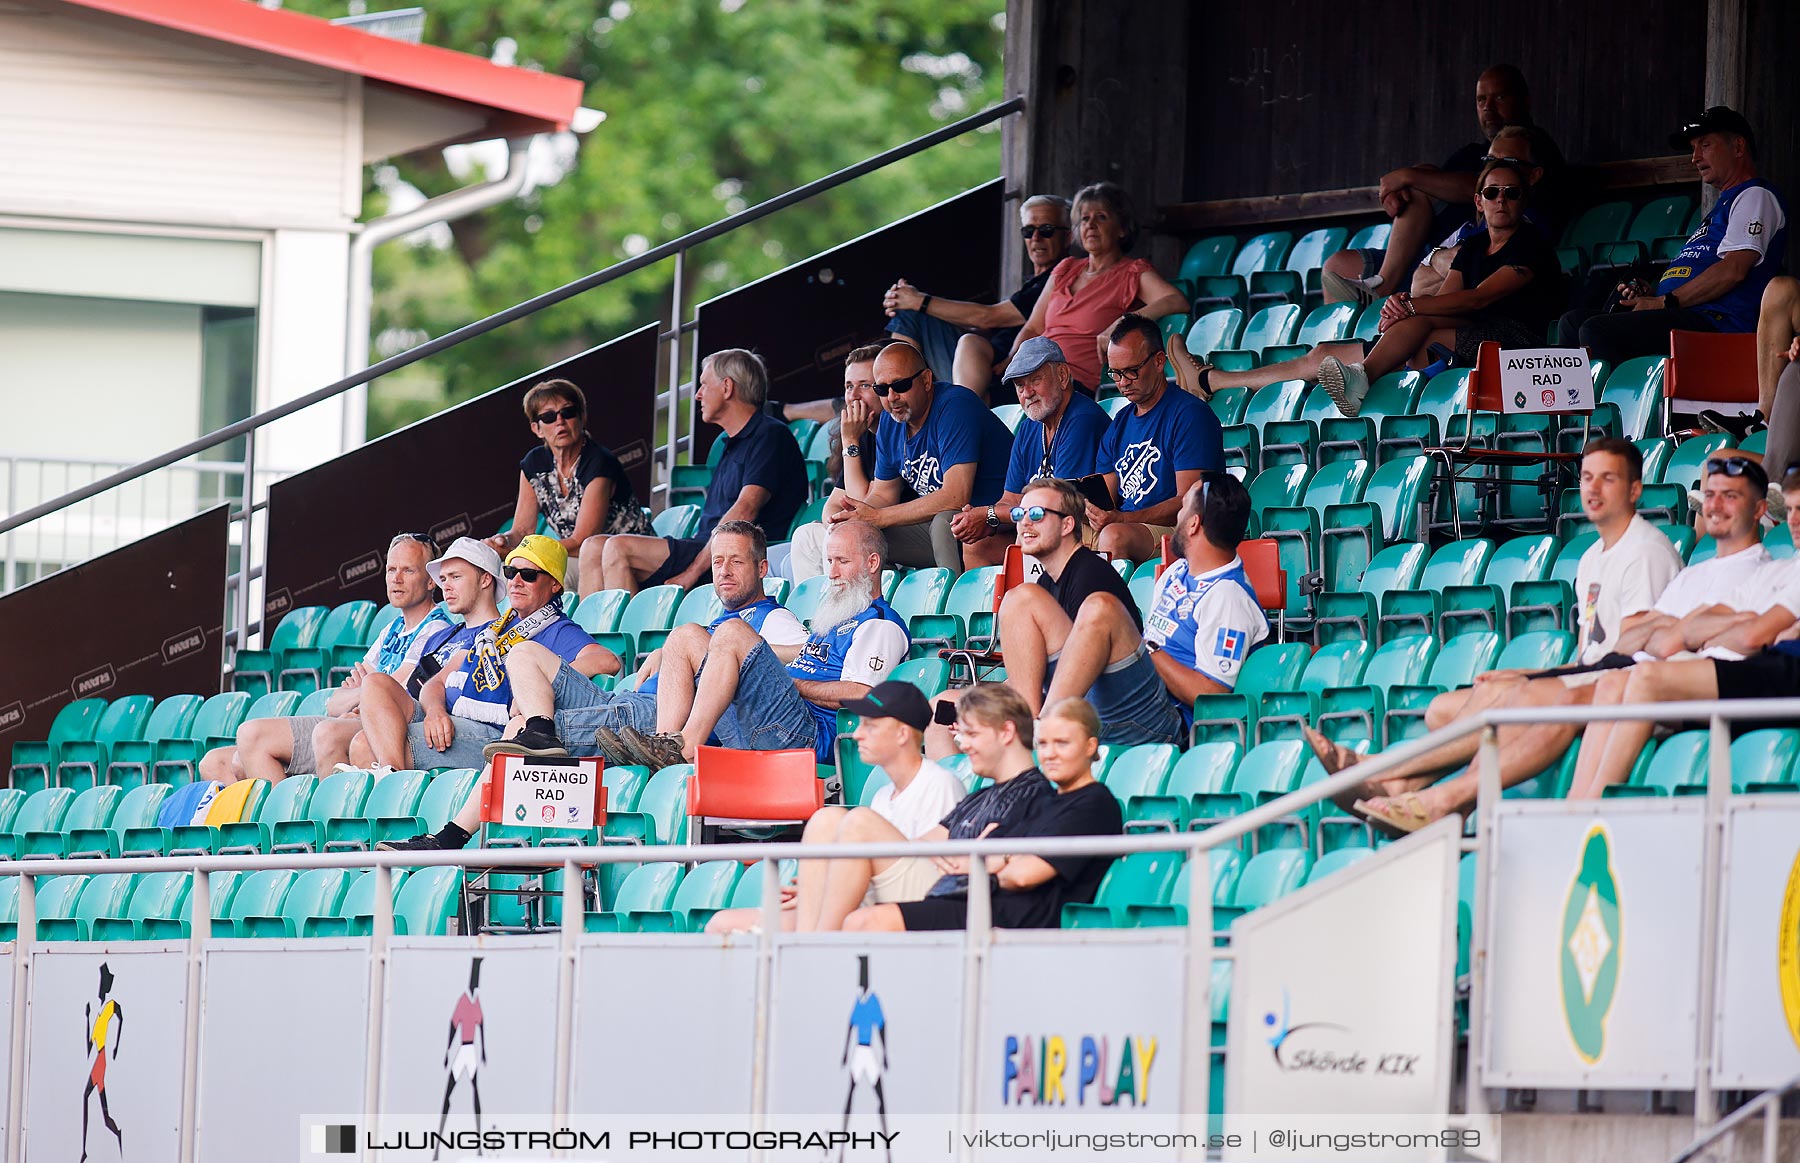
[415, 96]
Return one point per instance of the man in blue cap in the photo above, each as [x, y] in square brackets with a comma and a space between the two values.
[1058, 436]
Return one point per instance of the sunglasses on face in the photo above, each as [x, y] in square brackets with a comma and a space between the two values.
[1034, 514]
[566, 412]
[902, 386]
[1042, 231]
[520, 571]
[1490, 159]
[1737, 466]
[1496, 193]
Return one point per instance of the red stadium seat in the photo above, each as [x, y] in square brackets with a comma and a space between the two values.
[731, 789]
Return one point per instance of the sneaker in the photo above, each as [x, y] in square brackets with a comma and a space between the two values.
[424, 842]
[1345, 383]
[1777, 505]
[537, 737]
[1188, 370]
[1735, 425]
[655, 751]
[612, 748]
[1339, 289]
[375, 769]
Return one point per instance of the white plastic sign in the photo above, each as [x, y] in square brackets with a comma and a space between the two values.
[1546, 379]
[547, 792]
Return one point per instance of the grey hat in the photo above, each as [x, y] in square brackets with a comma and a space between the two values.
[1033, 354]
[479, 554]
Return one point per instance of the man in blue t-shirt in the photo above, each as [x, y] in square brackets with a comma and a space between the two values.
[936, 444]
[468, 703]
[1154, 451]
[748, 699]
[1058, 436]
[1716, 282]
[760, 476]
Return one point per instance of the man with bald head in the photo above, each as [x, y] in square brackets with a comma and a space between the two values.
[1428, 202]
[937, 449]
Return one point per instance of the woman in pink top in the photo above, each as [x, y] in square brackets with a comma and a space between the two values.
[1087, 296]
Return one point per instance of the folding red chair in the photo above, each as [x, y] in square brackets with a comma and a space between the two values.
[1013, 572]
[1262, 565]
[760, 792]
[1708, 367]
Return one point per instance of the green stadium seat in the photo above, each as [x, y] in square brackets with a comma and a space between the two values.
[664, 802]
[678, 521]
[258, 894]
[931, 675]
[1174, 324]
[235, 803]
[155, 897]
[703, 892]
[1361, 708]
[1689, 458]
[1226, 864]
[1635, 387]
[1387, 513]
[1209, 256]
[805, 597]
[1296, 530]
[1461, 659]
[1269, 327]
[1202, 769]
[1279, 487]
[1140, 878]
[1537, 650]
[137, 808]
[1353, 614]
[254, 671]
[1660, 218]
[1272, 666]
[315, 893]
[813, 510]
[1267, 877]
[700, 604]
[1140, 771]
[1294, 441]
[688, 482]
[81, 761]
[1355, 437]
[1229, 404]
[1214, 331]
[10, 800]
[1483, 606]
[1678, 765]
[349, 648]
[965, 610]
[1596, 225]
[336, 799]
[649, 888]
[1272, 402]
[1263, 252]
[1458, 563]
[178, 760]
[646, 621]
[1445, 396]
[307, 668]
[426, 905]
[42, 811]
[128, 761]
[1299, 274]
[443, 796]
[287, 801]
[1336, 861]
[1009, 415]
[105, 895]
[314, 704]
[34, 761]
[393, 796]
[91, 810]
[1267, 770]
[599, 612]
[1335, 664]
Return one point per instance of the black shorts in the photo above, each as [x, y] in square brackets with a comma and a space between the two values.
[1607, 662]
[935, 912]
[1767, 674]
[681, 555]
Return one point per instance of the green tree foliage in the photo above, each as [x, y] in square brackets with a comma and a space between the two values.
[712, 105]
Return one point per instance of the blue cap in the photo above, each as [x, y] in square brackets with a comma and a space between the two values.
[1033, 354]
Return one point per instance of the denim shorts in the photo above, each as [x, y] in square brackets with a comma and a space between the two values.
[464, 750]
[582, 707]
[768, 713]
[1133, 705]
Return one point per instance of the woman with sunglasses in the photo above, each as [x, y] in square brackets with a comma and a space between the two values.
[1505, 286]
[574, 481]
[1088, 296]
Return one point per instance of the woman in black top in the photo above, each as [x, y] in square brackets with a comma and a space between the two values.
[1028, 892]
[573, 480]
[1505, 286]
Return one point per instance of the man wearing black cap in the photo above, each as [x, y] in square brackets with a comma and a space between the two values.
[1716, 282]
[920, 794]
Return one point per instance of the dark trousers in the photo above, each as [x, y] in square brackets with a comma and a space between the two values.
[1622, 335]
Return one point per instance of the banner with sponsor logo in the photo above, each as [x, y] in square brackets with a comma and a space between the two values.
[1341, 994]
[803, 320]
[145, 619]
[1594, 944]
[1756, 1039]
[452, 475]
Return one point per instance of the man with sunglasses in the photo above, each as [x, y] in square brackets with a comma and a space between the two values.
[469, 703]
[1058, 436]
[1154, 451]
[759, 477]
[1758, 658]
[1427, 202]
[1716, 282]
[962, 342]
[938, 449]
[1712, 604]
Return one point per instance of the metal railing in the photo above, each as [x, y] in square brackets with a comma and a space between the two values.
[1200, 951]
[1768, 1102]
[668, 401]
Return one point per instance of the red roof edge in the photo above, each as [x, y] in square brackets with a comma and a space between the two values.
[537, 102]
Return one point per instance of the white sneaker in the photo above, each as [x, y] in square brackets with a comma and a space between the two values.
[1346, 383]
[1339, 289]
[375, 769]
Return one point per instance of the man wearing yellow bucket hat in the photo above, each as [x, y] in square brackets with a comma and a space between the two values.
[467, 704]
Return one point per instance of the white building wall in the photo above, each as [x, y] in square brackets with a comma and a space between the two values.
[304, 349]
[109, 118]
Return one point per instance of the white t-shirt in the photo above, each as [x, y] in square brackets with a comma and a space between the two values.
[1718, 581]
[924, 803]
[1755, 218]
[1613, 584]
[1779, 585]
[781, 628]
[877, 647]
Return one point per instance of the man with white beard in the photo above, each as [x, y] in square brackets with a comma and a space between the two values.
[749, 700]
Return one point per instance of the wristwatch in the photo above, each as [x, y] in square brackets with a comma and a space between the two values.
[993, 518]
[852, 450]
[1670, 302]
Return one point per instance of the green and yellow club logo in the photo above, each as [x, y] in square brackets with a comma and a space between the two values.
[1591, 939]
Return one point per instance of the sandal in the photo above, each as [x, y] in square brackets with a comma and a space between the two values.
[1329, 753]
[1190, 373]
[1397, 815]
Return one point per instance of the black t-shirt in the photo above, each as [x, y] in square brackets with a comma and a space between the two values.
[1087, 573]
[1024, 300]
[1539, 300]
[765, 453]
[1549, 197]
[596, 462]
[1087, 811]
[1000, 803]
